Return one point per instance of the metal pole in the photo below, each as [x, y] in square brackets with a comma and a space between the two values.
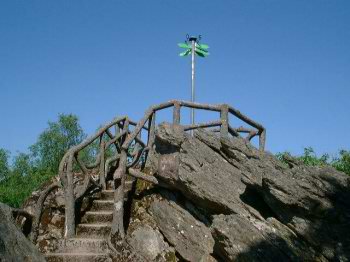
[193, 40]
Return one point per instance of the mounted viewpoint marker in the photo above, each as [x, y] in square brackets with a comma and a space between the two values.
[194, 48]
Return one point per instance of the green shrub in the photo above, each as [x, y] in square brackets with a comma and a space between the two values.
[309, 158]
[29, 171]
[54, 141]
[17, 188]
[342, 163]
[4, 165]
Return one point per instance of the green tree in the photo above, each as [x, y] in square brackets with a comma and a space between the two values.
[30, 171]
[342, 163]
[22, 165]
[4, 165]
[56, 140]
[309, 158]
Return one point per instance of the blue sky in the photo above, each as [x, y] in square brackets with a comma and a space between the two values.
[285, 64]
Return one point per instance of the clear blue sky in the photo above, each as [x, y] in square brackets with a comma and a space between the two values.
[285, 64]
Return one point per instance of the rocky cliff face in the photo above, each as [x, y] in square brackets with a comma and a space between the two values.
[221, 199]
[247, 204]
[13, 244]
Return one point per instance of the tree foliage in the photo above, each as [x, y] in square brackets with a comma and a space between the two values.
[342, 163]
[56, 140]
[309, 158]
[4, 165]
[30, 171]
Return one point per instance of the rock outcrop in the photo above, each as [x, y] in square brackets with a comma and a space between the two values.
[258, 208]
[190, 237]
[14, 246]
[221, 199]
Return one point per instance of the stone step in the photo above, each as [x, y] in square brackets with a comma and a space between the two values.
[97, 217]
[78, 257]
[102, 205]
[85, 245]
[93, 230]
[107, 194]
[128, 185]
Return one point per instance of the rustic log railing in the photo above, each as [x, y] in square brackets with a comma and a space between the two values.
[148, 122]
[105, 138]
[223, 122]
[131, 150]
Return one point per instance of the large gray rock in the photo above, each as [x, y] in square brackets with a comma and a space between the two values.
[314, 203]
[199, 172]
[271, 211]
[148, 242]
[191, 238]
[311, 201]
[14, 246]
[239, 238]
[236, 239]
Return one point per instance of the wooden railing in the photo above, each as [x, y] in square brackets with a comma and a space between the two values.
[148, 122]
[225, 128]
[129, 149]
[111, 134]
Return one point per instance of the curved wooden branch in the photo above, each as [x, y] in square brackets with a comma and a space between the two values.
[132, 123]
[162, 106]
[39, 209]
[138, 156]
[109, 161]
[138, 174]
[16, 212]
[88, 181]
[81, 165]
[209, 107]
[75, 149]
[89, 140]
[148, 178]
[137, 129]
[251, 135]
[244, 118]
[202, 125]
[63, 169]
[233, 131]
[115, 139]
[242, 129]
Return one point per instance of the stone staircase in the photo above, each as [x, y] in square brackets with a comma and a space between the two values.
[90, 242]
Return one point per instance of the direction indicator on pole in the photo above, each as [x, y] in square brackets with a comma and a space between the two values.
[193, 47]
[200, 49]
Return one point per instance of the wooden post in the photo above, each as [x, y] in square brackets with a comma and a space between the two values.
[176, 113]
[118, 209]
[224, 121]
[139, 135]
[119, 181]
[151, 130]
[70, 201]
[116, 129]
[262, 139]
[102, 164]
